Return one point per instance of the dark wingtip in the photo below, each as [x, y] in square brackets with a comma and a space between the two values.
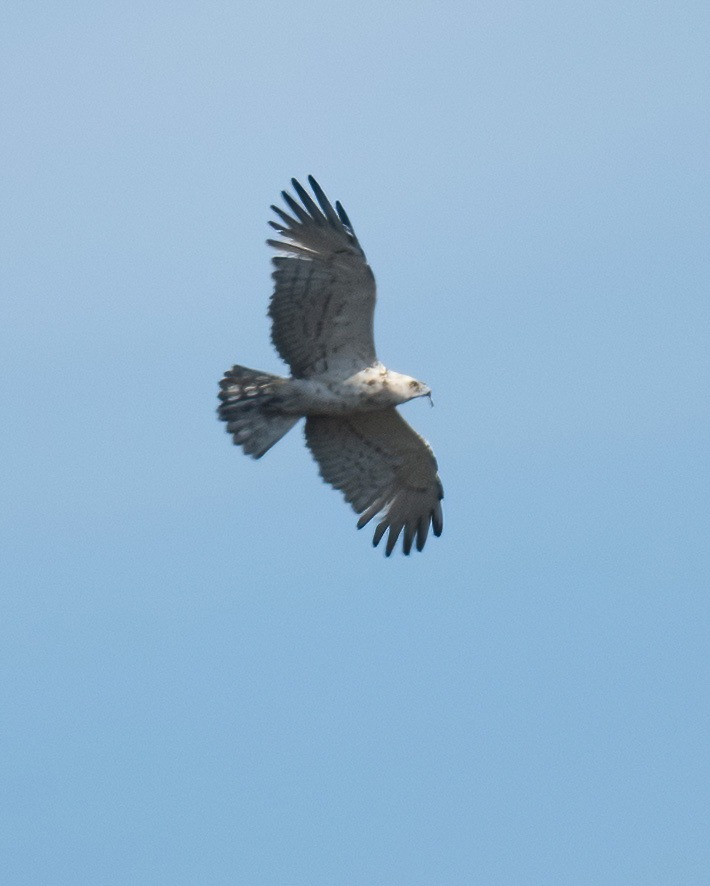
[308, 203]
[343, 214]
[380, 530]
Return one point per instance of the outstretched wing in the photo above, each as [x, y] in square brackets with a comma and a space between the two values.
[323, 305]
[381, 465]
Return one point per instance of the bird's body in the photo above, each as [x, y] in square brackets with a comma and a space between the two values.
[369, 390]
[322, 311]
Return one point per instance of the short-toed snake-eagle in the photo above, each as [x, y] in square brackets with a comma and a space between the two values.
[322, 313]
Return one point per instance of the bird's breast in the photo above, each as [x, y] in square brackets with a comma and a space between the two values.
[366, 391]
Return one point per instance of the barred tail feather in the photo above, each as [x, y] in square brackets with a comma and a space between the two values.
[249, 406]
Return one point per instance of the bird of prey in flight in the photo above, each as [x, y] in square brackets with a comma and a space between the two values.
[322, 313]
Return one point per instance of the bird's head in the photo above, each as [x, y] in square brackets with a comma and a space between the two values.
[419, 389]
[388, 388]
[408, 388]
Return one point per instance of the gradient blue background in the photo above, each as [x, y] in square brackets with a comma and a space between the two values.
[207, 675]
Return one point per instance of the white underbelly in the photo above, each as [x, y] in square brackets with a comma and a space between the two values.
[313, 397]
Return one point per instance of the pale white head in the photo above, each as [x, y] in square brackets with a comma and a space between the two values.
[404, 387]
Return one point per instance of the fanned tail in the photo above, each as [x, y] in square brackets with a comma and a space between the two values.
[250, 408]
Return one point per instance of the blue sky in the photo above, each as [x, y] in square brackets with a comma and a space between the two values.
[208, 676]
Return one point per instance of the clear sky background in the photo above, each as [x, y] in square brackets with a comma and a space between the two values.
[207, 675]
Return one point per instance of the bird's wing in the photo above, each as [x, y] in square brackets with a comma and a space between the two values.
[381, 465]
[323, 305]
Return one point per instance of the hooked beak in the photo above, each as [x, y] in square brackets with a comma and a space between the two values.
[431, 399]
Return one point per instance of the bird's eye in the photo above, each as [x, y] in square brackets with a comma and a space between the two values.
[413, 384]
